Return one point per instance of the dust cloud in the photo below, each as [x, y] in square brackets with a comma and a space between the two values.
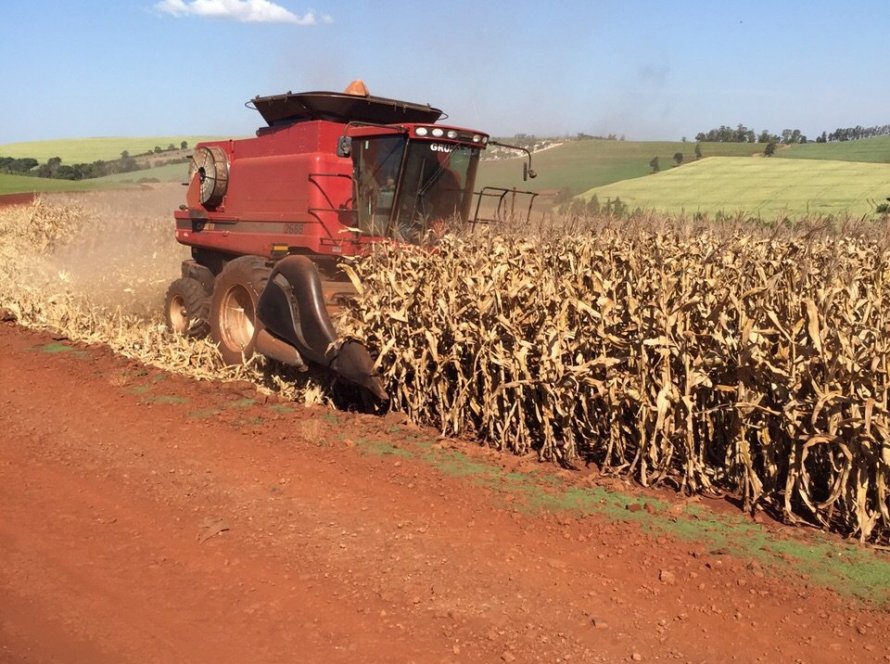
[118, 249]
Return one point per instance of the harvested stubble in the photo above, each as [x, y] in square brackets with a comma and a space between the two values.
[86, 269]
[711, 359]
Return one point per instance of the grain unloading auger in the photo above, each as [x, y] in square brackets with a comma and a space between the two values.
[269, 219]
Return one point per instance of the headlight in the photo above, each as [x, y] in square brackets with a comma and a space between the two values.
[438, 132]
[451, 134]
[421, 131]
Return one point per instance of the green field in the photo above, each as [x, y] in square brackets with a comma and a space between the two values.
[88, 150]
[580, 165]
[765, 188]
[876, 150]
[166, 173]
[22, 184]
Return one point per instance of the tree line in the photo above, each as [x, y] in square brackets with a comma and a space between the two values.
[854, 133]
[55, 169]
[742, 134]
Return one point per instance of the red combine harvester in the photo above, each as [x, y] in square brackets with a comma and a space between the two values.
[268, 219]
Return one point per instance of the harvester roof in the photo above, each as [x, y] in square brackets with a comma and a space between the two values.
[340, 107]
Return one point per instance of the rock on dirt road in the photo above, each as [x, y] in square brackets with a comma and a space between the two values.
[150, 518]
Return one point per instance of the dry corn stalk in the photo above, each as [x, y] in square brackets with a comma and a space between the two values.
[714, 360]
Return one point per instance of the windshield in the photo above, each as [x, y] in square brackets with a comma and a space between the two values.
[436, 188]
[409, 189]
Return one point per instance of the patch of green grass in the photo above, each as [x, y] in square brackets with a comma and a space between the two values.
[846, 567]
[204, 413]
[57, 348]
[244, 402]
[382, 448]
[765, 188]
[166, 399]
[330, 417]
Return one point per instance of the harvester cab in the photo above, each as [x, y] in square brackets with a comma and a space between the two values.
[269, 218]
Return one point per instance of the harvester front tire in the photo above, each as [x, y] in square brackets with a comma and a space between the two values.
[187, 308]
[233, 319]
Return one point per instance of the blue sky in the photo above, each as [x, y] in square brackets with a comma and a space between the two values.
[645, 69]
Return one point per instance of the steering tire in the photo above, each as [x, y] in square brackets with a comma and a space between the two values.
[187, 308]
[233, 320]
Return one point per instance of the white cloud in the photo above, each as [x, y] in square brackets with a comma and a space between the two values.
[245, 11]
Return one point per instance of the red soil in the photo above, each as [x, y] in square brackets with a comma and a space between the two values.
[151, 518]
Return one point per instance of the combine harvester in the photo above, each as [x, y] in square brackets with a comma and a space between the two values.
[269, 218]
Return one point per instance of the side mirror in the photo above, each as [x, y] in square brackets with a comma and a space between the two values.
[527, 172]
[344, 146]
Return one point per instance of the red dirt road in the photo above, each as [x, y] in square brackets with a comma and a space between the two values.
[150, 518]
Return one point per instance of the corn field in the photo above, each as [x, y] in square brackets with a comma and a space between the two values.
[710, 359]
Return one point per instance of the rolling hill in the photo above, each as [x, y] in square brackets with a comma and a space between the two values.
[88, 150]
[875, 150]
[580, 165]
[765, 188]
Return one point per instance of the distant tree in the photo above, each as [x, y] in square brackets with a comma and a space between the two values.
[171, 147]
[724, 134]
[791, 137]
[577, 208]
[653, 164]
[158, 149]
[125, 155]
[616, 208]
[17, 165]
[184, 145]
[50, 168]
[593, 205]
[678, 158]
[683, 140]
[65, 172]
[698, 151]
[743, 134]
[770, 149]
